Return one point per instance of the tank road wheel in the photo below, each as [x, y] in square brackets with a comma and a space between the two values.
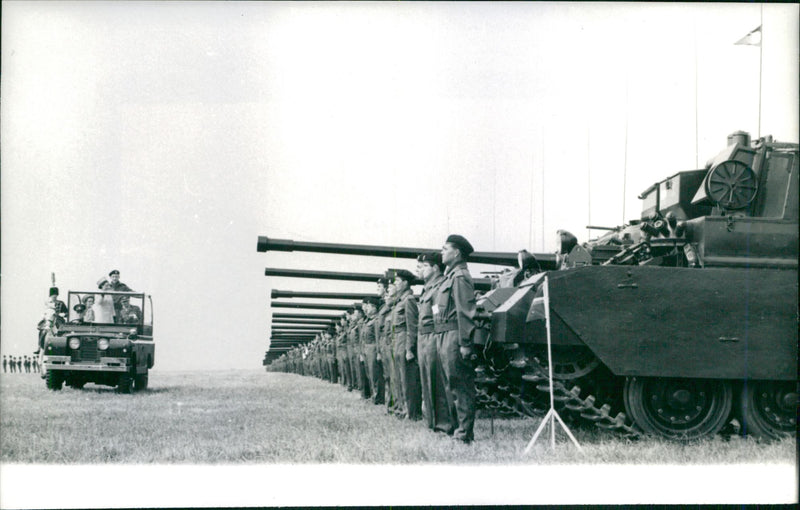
[678, 408]
[140, 382]
[767, 408]
[569, 362]
[54, 379]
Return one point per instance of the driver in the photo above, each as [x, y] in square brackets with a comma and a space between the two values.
[128, 313]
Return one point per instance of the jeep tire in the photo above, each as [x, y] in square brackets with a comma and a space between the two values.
[54, 380]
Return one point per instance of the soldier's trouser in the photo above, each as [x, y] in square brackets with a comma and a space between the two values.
[459, 378]
[344, 367]
[386, 362]
[355, 373]
[374, 373]
[434, 394]
[413, 390]
[399, 373]
[366, 388]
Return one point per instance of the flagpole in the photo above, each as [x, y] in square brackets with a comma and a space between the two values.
[696, 130]
[760, 53]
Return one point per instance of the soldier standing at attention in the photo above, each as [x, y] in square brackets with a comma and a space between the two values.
[5, 364]
[352, 348]
[369, 336]
[454, 324]
[436, 411]
[405, 320]
[385, 339]
[341, 353]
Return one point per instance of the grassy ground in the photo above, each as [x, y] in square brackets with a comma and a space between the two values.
[256, 417]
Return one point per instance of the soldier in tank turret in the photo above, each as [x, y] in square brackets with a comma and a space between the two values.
[454, 326]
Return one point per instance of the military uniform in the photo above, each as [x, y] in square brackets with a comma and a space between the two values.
[369, 337]
[384, 328]
[406, 371]
[453, 315]
[344, 361]
[434, 394]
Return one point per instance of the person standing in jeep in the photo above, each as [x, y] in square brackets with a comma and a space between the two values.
[117, 286]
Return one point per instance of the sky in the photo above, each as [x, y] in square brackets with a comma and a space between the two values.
[162, 139]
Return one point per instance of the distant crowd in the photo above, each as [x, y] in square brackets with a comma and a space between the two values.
[21, 365]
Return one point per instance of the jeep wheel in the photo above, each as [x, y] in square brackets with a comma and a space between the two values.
[140, 382]
[54, 380]
[125, 383]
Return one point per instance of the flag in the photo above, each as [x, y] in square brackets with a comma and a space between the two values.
[753, 38]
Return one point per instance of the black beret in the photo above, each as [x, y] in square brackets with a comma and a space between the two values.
[373, 300]
[433, 258]
[405, 275]
[383, 280]
[390, 274]
[113, 271]
[461, 243]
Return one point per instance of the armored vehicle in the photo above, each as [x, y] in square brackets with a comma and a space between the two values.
[111, 343]
[691, 317]
[671, 325]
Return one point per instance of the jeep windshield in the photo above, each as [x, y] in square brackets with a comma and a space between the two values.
[107, 307]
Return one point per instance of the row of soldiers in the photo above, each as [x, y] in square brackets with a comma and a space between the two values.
[20, 364]
[413, 355]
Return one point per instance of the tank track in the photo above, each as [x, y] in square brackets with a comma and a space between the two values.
[501, 389]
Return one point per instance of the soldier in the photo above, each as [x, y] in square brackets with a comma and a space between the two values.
[570, 254]
[384, 326]
[5, 363]
[354, 347]
[454, 325]
[55, 312]
[405, 321]
[117, 286]
[341, 353]
[436, 411]
[128, 313]
[19, 364]
[27, 364]
[36, 367]
[369, 336]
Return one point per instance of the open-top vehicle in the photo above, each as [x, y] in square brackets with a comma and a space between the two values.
[110, 343]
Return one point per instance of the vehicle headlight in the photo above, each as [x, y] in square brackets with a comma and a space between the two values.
[74, 343]
[102, 344]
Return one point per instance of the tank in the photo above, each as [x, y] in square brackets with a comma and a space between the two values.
[678, 324]
[690, 319]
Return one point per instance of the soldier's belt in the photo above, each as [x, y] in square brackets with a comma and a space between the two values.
[441, 327]
[424, 330]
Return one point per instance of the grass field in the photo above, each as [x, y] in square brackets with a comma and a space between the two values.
[261, 439]
[256, 417]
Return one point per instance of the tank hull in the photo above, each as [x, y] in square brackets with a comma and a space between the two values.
[717, 323]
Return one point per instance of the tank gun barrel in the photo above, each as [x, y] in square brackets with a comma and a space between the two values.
[294, 327]
[321, 295]
[302, 322]
[332, 318]
[481, 284]
[314, 306]
[265, 244]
